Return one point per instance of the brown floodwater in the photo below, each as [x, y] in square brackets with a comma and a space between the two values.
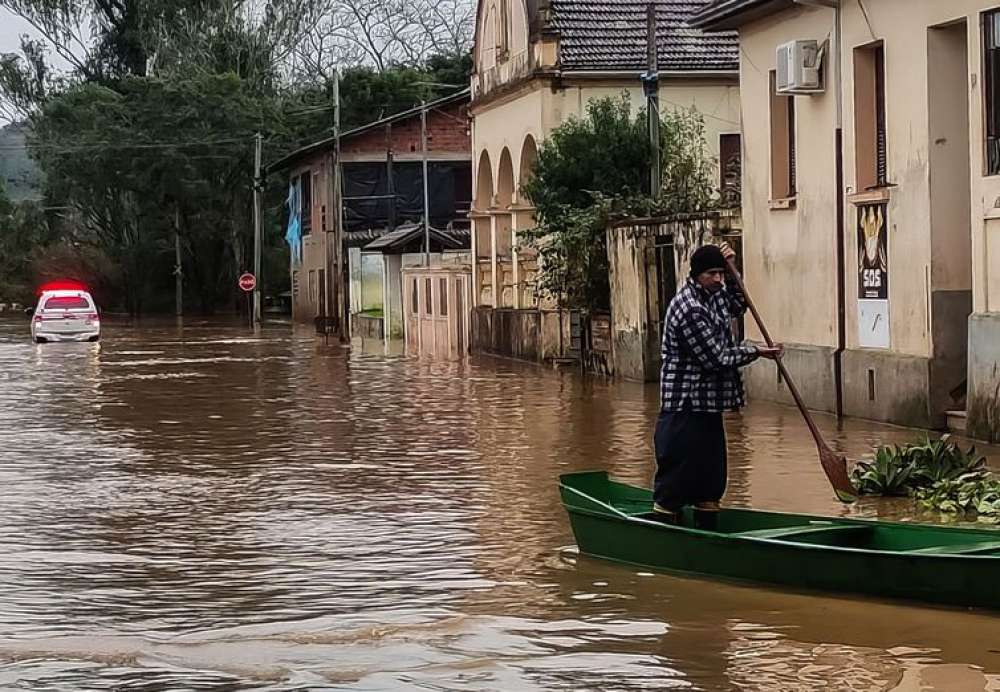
[203, 508]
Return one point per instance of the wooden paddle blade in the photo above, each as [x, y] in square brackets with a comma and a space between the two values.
[835, 467]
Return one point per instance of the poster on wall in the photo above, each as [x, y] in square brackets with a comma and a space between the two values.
[873, 256]
[873, 276]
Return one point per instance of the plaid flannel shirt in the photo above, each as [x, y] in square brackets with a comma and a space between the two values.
[701, 358]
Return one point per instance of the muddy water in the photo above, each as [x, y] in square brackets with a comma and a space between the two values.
[203, 509]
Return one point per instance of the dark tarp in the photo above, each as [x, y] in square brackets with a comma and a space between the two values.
[450, 192]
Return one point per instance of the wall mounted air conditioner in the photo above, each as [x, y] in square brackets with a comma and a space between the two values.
[798, 68]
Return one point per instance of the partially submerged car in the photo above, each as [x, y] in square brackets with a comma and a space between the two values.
[65, 315]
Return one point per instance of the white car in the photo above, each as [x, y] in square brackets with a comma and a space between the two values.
[65, 316]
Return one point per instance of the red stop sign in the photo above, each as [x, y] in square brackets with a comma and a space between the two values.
[247, 282]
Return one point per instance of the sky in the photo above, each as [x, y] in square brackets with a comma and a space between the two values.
[11, 28]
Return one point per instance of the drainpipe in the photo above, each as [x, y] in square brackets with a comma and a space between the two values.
[836, 55]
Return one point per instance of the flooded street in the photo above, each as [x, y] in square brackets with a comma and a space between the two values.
[200, 508]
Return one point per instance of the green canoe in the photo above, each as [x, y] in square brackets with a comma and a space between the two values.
[933, 564]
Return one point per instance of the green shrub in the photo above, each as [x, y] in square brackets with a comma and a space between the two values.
[938, 474]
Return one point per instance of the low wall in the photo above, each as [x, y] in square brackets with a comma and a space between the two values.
[533, 335]
[367, 327]
[647, 261]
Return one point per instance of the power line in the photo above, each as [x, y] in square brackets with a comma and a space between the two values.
[119, 145]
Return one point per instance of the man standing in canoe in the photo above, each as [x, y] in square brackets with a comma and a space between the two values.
[699, 380]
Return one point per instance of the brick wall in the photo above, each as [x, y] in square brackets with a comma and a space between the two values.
[447, 131]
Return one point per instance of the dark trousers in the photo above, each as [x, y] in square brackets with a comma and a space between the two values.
[690, 459]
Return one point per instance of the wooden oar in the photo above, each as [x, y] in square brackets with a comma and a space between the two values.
[834, 465]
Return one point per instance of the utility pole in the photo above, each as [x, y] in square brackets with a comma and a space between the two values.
[178, 267]
[340, 297]
[257, 242]
[651, 87]
[427, 203]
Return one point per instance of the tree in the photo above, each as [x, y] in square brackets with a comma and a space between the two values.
[149, 140]
[592, 170]
[24, 230]
[382, 34]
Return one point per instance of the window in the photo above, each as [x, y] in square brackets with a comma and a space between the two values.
[991, 76]
[730, 165]
[305, 182]
[414, 298]
[313, 287]
[428, 298]
[782, 142]
[869, 117]
[67, 303]
[443, 296]
[502, 30]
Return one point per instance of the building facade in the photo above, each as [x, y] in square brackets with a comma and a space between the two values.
[382, 191]
[871, 206]
[540, 62]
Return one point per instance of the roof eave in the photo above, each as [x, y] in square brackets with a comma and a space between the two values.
[580, 73]
[727, 15]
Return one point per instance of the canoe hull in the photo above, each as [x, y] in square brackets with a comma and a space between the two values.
[794, 561]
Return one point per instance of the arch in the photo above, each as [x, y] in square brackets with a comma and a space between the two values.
[529, 157]
[505, 180]
[518, 26]
[486, 38]
[484, 182]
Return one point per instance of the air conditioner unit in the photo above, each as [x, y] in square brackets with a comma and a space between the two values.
[799, 68]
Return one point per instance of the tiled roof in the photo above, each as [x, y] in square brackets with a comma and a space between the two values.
[598, 35]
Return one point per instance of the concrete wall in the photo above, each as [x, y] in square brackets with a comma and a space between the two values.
[533, 335]
[372, 297]
[393, 278]
[367, 327]
[984, 376]
[636, 271]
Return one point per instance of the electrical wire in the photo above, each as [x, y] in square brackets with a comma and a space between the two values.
[868, 21]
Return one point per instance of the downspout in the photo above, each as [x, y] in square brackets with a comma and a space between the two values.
[836, 56]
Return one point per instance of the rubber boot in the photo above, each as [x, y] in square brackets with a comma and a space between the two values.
[706, 516]
[664, 515]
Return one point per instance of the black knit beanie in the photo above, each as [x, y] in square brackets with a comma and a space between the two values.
[707, 258]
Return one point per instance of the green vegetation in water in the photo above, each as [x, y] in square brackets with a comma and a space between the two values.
[375, 312]
[938, 474]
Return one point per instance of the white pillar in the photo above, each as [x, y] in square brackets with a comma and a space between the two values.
[515, 261]
[493, 260]
[475, 259]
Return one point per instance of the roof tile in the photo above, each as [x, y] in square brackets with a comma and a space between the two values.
[611, 35]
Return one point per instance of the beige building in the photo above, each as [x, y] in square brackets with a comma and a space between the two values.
[538, 63]
[871, 202]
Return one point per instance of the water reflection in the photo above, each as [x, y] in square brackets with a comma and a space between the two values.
[204, 508]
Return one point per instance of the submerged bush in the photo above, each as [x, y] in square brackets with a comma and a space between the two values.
[939, 474]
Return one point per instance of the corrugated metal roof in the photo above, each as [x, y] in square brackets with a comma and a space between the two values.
[384, 240]
[610, 35]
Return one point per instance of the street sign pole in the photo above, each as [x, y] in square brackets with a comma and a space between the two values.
[248, 284]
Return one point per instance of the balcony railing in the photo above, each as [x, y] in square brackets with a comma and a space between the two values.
[514, 67]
